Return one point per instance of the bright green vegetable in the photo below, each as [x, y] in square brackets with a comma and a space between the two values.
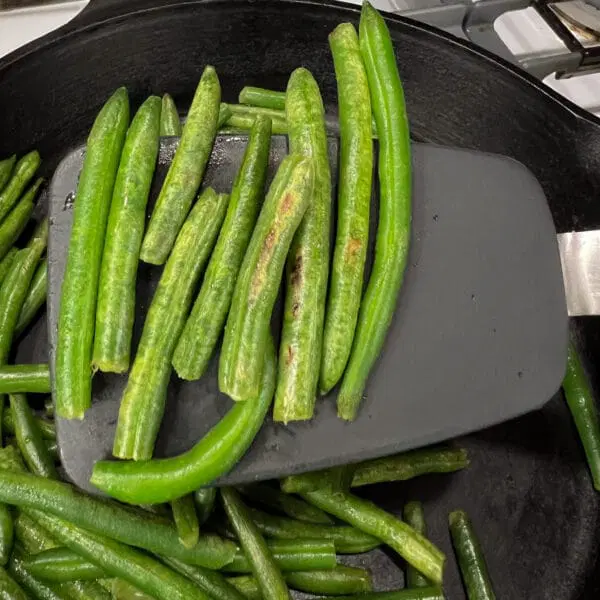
[414, 516]
[144, 398]
[25, 379]
[185, 172]
[207, 319]
[47, 428]
[6, 167]
[115, 309]
[29, 439]
[292, 555]
[270, 580]
[120, 560]
[24, 171]
[393, 231]
[108, 518]
[16, 221]
[369, 518]
[582, 405]
[77, 315]
[410, 464]
[243, 117]
[470, 557]
[36, 297]
[308, 262]
[247, 330]
[254, 96]
[169, 117]
[186, 520]
[224, 114]
[354, 203]
[291, 506]
[6, 262]
[9, 588]
[155, 481]
[347, 540]
[62, 564]
[204, 499]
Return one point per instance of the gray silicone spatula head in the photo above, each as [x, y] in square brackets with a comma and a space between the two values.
[479, 335]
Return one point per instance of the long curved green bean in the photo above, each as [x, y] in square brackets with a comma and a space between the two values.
[9, 588]
[207, 319]
[62, 564]
[185, 172]
[36, 297]
[289, 505]
[354, 203]
[77, 314]
[369, 518]
[414, 516]
[292, 555]
[582, 405]
[144, 398]
[6, 168]
[347, 540]
[255, 96]
[23, 172]
[204, 498]
[120, 560]
[29, 439]
[270, 580]
[156, 481]
[247, 330]
[308, 262]
[115, 310]
[186, 520]
[6, 262]
[25, 379]
[470, 557]
[393, 231]
[407, 465]
[108, 518]
[170, 123]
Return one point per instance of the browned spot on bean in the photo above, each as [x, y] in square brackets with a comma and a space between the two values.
[353, 247]
[269, 240]
[287, 203]
[295, 308]
[290, 355]
[296, 275]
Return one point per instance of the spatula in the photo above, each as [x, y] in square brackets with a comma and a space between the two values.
[479, 336]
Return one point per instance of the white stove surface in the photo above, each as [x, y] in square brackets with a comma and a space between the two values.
[524, 33]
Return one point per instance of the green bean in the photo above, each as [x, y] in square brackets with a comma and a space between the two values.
[185, 172]
[247, 330]
[255, 96]
[24, 171]
[243, 117]
[410, 464]
[308, 262]
[9, 588]
[415, 518]
[285, 503]
[170, 125]
[16, 221]
[334, 582]
[25, 379]
[255, 111]
[247, 586]
[62, 564]
[470, 557]
[333, 479]
[77, 314]
[210, 582]
[121, 590]
[120, 560]
[207, 319]
[6, 262]
[115, 310]
[6, 167]
[7, 533]
[34, 587]
[347, 540]
[29, 439]
[84, 590]
[156, 481]
[47, 428]
[393, 231]
[51, 447]
[431, 593]
[582, 405]
[224, 114]
[186, 520]
[292, 555]
[204, 499]
[36, 297]
[369, 518]
[113, 520]
[267, 573]
[144, 398]
[33, 538]
[354, 202]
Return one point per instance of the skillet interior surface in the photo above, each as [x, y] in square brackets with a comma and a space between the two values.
[528, 489]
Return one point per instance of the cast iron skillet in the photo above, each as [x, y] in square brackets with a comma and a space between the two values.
[528, 489]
